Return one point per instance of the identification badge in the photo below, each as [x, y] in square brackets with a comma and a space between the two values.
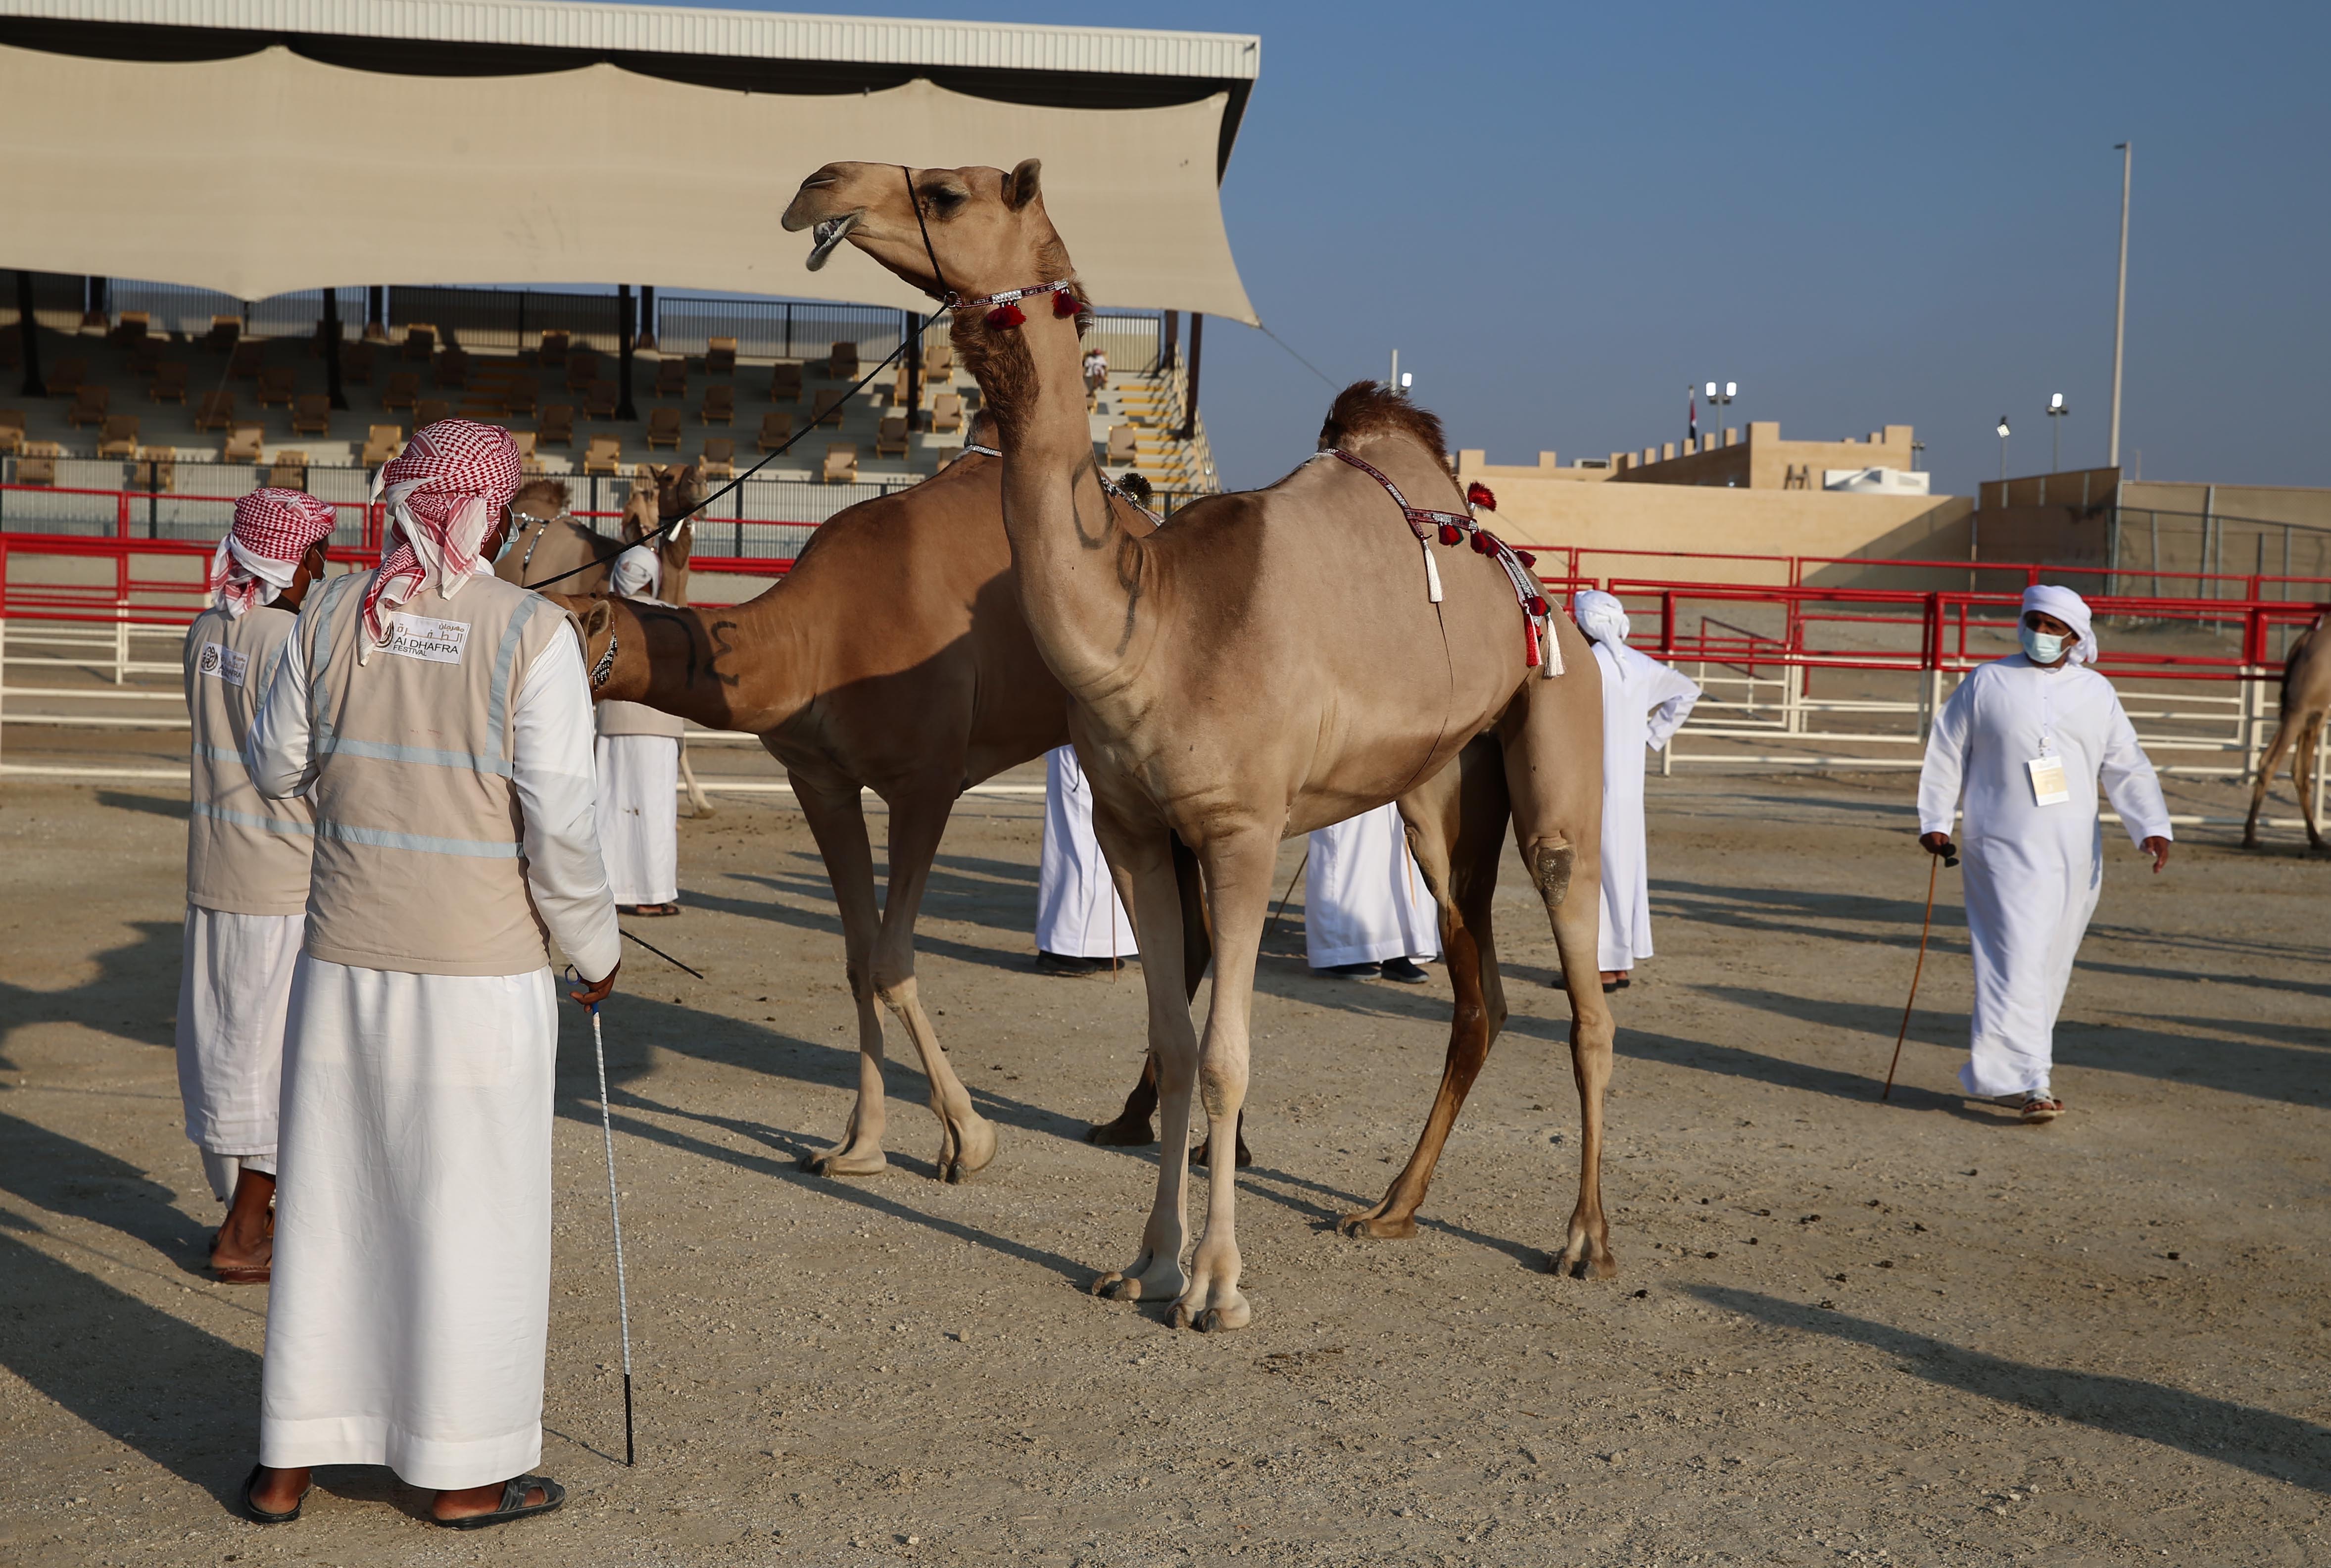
[223, 664]
[2047, 786]
[419, 637]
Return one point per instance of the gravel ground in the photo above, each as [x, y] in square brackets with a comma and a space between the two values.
[1915, 1332]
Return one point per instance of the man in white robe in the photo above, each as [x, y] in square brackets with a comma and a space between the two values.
[1367, 911]
[639, 775]
[1644, 703]
[2024, 742]
[1081, 923]
[246, 872]
[438, 720]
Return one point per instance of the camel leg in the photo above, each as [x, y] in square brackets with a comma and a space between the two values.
[2309, 749]
[1144, 860]
[838, 822]
[1554, 774]
[966, 1139]
[698, 805]
[2264, 782]
[1456, 829]
[1238, 864]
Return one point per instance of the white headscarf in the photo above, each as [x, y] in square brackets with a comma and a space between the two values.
[1600, 615]
[2070, 609]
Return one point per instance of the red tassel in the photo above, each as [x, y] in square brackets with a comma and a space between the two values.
[1451, 533]
[1064, 303]
[1477, 494]
[1483, 543]
[1004, 316]
[1527, 559]
[1537, 607]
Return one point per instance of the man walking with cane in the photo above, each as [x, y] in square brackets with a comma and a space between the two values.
[438, 720]
[2026, 740]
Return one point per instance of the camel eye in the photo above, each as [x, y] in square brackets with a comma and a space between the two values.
[947, 200]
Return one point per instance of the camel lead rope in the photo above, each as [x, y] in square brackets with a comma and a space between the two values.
[615, 1211]
[1934, 869]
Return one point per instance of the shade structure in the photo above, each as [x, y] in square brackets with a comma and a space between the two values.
[270, 172]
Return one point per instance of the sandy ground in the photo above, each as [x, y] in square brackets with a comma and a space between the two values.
[1912, 1332]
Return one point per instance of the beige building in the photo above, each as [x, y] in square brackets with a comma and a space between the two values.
[2187, 537]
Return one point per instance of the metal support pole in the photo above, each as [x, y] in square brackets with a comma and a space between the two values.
[914, 360]
[1189, 431]
[2128, 151]
[623, 329]
[28, 328]
[334, 392]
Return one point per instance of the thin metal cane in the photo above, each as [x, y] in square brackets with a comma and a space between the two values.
[615, 1211]
[659, 953]
[1273, 923]
[1934, 869]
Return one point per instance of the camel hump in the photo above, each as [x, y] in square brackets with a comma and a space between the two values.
[1368, 408]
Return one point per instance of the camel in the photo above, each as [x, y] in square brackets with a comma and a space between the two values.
[2305, 703]
[1274, 661]
[893, 656]
[556, 550]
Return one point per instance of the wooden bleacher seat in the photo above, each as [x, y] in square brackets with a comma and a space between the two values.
[311, 414]
[225, 332]
[890, 436]
[65, 378]
[430, 409]
[356, 361]
[118, 436]
[404, 389]
[276, 385]
[899, 388]
[131, 329]
[519, 396]
[842, 364]
[289, 471]
[38, 466]
[785, 383]
[144, 356]
[528, 462]
[216, 411]
[557, 426]
[776, 429]
[1121, 448]
[663, 428]
[420, 342]
[720, 405]
[719, 461]
[671, 378]
[12, 431]
[840, 464]
[947, 412]
[155, 470]
[89, 406]
[599, 400]
[554, 348]
[938, 362]
[169, 382]
[581, 370]
[247, 360]
[454, 370]
[832, 403]
[382, 443]
[605, 455]
[242, 443]
[720, 357]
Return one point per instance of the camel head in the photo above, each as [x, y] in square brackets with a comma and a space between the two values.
[598, 621]
[541, 500]
[661, 492]
[987, 227]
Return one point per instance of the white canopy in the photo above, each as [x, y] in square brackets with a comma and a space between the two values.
[270, 172]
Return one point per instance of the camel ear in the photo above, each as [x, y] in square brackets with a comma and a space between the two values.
[1020, 186]
[598, 618]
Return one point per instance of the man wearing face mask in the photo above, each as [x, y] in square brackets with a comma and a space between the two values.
[2025, 741]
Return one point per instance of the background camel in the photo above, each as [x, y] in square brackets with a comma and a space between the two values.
[1274, 661]
[2306, 703]
[893, 656]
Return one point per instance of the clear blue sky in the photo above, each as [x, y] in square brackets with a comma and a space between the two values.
[1563, 214]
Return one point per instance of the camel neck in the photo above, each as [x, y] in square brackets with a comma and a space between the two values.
[746, 667]
[1082, 576]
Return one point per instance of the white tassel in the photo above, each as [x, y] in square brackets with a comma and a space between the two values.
[1551, 660]
[1432, 573]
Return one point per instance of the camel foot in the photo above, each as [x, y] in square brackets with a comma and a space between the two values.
[1377, 1225]
[1587, 1256]
[971, 1148]
[1146, 1278]
[1124, 1133]
[1202, 1157]
[851, 1160]
[1227, 1311]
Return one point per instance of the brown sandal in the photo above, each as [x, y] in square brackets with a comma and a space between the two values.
[649, 910]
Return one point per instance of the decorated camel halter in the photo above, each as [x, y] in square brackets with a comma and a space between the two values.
[1003, 309]
[1450, 528]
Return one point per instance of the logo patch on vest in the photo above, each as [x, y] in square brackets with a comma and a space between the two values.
[419, 637]
[223, 663]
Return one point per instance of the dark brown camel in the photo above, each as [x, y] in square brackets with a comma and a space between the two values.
[2305, 703]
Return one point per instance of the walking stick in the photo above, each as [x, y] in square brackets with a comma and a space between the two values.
[1934, 869]
[659, 953]
[1272, 925]
[615, 1210]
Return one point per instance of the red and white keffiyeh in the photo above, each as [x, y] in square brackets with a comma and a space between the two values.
[444, 495]
[273, 529]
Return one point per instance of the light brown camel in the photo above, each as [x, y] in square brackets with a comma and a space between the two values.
[2305, 703]
[893, 656]
[1272, 662]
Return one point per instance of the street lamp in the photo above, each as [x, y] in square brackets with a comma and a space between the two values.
[1719, 398]
[2003, 450]
[2056, 410]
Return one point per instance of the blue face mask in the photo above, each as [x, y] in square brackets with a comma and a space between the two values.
[2041, 647]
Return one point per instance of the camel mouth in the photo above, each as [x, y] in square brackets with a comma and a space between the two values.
[828, 235]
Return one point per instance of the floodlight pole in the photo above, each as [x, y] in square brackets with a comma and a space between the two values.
[2128, 151]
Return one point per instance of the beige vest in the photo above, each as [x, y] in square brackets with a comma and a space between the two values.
[245, 855]
[418, 825]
